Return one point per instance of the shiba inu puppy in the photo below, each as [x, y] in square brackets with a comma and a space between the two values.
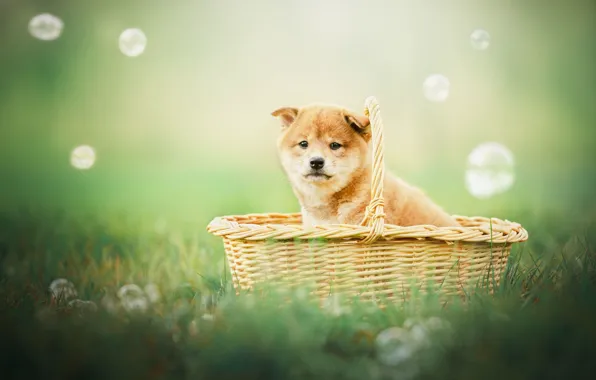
[326, 155]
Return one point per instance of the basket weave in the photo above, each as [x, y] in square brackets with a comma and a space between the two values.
[369, 260]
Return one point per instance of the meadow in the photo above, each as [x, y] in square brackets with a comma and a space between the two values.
[185, 321]
[107, 270]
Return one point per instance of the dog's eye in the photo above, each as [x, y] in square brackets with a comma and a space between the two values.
[334, 146]
[303, 144]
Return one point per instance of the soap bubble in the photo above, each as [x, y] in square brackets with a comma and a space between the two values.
[46, 27]
[134, 304]
[480, 39]
[436, 88]
[394, 346]
[152, 292]
[408, 323]
[436, 323]
[130, 290]
[132, 42]
[62, 289]
[84, 308]
[420, 335]
[301, 294]
[110, 303]
[132, 298]
[490, 170]
[82, 157]
[334, 305]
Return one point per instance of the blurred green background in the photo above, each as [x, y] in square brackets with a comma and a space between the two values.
[183, 132]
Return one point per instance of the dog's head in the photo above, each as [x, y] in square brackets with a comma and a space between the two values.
[322, 146]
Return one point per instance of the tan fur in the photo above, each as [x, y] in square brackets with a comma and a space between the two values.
[342, 197]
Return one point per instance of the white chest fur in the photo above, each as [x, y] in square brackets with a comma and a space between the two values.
[310, 219]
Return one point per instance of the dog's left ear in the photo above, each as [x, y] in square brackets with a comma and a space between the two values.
[359, 123]
[287, 115]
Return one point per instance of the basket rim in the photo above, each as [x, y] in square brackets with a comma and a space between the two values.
[482, 229]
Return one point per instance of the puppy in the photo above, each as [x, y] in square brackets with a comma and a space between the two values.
[325, 153]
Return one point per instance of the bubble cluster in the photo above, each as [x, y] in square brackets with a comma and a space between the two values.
[480, 39]
[394, 346]
[46, 27]
[490, 170]
[83, 308]
[110, 303]
[82, 157]
[436, 88]
[397, 345]
[132, 298]
[436, 323]
[62, 289]
[152, 292]
[132, 42]
[334, 305]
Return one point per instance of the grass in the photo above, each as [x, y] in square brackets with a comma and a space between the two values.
[540, 323]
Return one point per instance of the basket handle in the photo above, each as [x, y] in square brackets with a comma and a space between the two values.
[374, 215]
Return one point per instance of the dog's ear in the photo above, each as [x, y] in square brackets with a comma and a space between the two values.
[359, 123]
[287, 115]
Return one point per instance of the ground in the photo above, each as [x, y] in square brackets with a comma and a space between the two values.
[189, 324]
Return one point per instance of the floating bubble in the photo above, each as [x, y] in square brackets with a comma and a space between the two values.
[62, 289]
[410, 322]
[82, 157]
[394, 346]
[46, 27]
[420, 335]
[436, 88]
[132, 42]
[301, 294]
[152, 292]
[480, 39]
[334, 305]
[490, 170]
[430, 324]
[110, 303]
[83, 307]
[436, 323]
[132, 298]
[134, 304]
[130, 290]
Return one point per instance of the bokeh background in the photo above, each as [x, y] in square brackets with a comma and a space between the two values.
[183, 132]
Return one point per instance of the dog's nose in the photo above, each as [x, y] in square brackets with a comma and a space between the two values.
[317, 163]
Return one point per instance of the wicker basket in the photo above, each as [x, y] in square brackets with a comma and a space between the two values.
[371, 260]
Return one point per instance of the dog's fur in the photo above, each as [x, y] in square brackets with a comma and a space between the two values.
[340, 191]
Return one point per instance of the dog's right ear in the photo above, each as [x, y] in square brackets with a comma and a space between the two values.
[359, 123]
[287, 115]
